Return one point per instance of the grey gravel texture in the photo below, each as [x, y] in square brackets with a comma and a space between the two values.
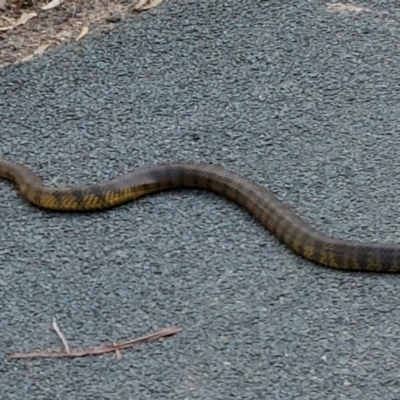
[295, 95]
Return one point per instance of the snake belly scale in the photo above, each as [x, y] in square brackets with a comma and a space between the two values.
[273, 214]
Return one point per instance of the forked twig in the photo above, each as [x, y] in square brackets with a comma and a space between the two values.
[109, 348]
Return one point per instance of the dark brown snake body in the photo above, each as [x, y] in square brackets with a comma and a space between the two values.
[274, 215]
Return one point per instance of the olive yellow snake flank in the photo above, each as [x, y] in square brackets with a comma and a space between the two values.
[266, 208]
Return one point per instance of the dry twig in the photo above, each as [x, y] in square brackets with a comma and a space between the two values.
[109, 348]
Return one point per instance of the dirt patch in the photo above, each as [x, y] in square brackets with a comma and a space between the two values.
[30, 27]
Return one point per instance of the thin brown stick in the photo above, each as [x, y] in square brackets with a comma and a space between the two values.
[109, 348]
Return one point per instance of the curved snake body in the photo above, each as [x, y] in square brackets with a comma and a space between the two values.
[274, 215]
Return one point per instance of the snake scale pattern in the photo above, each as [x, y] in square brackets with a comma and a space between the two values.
[265, 207]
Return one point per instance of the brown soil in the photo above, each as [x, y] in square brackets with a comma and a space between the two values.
[71, 20]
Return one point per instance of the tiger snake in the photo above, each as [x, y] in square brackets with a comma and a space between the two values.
[263, 205]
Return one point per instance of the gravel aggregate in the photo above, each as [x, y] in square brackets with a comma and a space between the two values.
[295, 95]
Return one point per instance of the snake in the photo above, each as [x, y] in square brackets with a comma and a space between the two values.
[278, 218]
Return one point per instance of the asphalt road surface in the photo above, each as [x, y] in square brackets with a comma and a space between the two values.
[297, 95]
